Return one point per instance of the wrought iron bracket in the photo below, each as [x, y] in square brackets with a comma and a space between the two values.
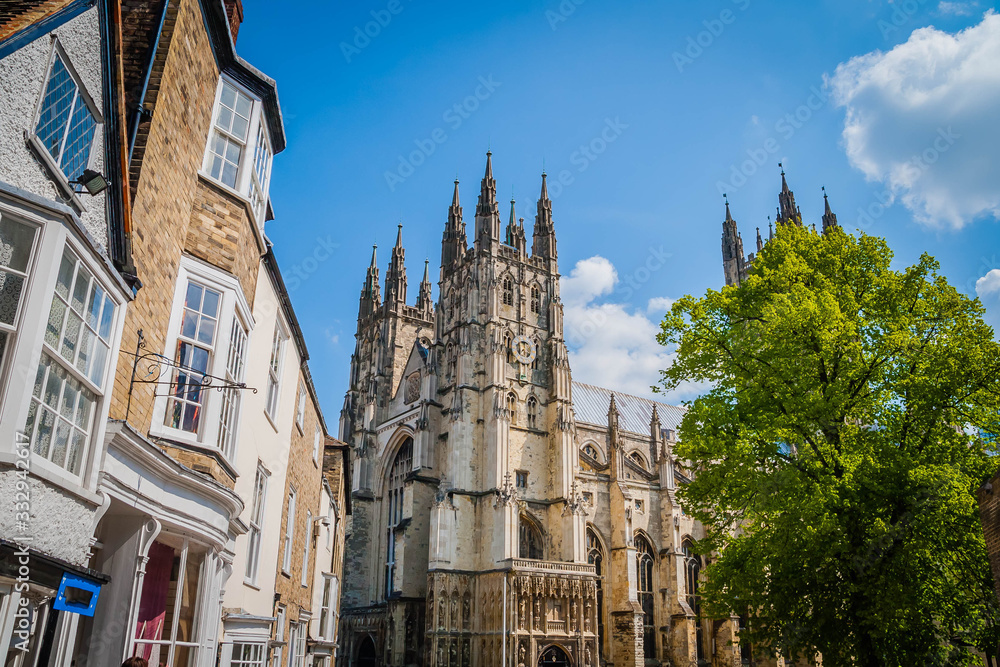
[149, 367]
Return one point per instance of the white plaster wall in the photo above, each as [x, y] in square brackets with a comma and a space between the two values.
[22, 78]
[259, 439]
[60, 524]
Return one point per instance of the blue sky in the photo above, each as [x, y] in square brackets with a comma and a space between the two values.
[648, 110]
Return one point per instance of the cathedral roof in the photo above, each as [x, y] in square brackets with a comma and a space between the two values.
[590, 404]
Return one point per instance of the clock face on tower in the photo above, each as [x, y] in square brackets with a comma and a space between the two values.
[523, 349]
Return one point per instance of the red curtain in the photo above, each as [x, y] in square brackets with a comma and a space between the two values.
[155, 586]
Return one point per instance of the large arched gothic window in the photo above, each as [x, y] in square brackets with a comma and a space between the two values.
[692, 573]
[645, 557]
[595, 556]
[529, 539]
[536, 299]
[508, 291]
[401, 467]
[512, 407]
[532, 412]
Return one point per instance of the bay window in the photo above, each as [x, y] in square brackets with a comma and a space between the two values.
[235, 367]
[207, 347]
[239, 129]
[72, 366]
[17, 241]
[194, 351]
[166, 630]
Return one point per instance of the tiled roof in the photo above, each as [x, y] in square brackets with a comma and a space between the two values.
[591, 403]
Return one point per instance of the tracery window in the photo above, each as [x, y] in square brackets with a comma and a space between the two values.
[532, 412]
[401, 467]
[595, 556]
[645, 557]
[512, 407]
[529, 539]
[637, 459]
[692, 572]
[508, 291]
[536, 299]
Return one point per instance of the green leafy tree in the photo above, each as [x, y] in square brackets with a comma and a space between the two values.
[838, 452]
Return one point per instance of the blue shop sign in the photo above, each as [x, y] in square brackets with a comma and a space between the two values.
[77, 595]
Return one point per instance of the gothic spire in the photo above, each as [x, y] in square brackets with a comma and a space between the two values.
[612, 414]
[733, 260]
[515, 232]
[424, 302]
[395, 276]
[454, 242]
[788, 212]
[487, 212]
[654, 435]
[829, 217]
[371, 293]
[760, 241]
[543, 240]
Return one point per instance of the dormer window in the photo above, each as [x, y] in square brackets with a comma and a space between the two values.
[66, 121]
[238, 127]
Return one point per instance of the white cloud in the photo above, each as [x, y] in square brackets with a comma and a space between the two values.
[922, 119]
[589, 279]
[610, 344]
[988, 284]
[331, 335]
[956, 8]
[988, 290]
[659, 305]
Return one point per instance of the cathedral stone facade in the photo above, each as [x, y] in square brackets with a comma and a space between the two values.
[503, 513]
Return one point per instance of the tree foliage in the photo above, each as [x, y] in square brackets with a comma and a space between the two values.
[838, 452]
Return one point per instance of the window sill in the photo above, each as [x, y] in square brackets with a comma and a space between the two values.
[270, 420]
[186, 440]
[251, 584]
[47, 471]
[55, 173]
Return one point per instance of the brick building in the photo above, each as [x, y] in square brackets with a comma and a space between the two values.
[175, 439]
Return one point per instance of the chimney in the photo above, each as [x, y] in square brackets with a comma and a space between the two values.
[234, 12]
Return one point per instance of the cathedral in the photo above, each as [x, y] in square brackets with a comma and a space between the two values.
[504, 514]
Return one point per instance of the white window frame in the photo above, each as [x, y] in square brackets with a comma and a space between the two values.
[248, 185]
[317, 440]
[328, 606]
[196, 644]
[234, 304]
[289, 538]
[297, 644]
[24, 351]
[306, 552]
[232, 398]
[300, 407]
[258, 509]
[237, 661]
[51, 164]
[279, 637]
[275, 367]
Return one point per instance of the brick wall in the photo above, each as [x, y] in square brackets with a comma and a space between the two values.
[305, 475]
[176, 211]
[165, 197]
[989, 513]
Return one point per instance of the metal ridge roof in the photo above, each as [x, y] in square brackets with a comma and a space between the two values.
[590, 404]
